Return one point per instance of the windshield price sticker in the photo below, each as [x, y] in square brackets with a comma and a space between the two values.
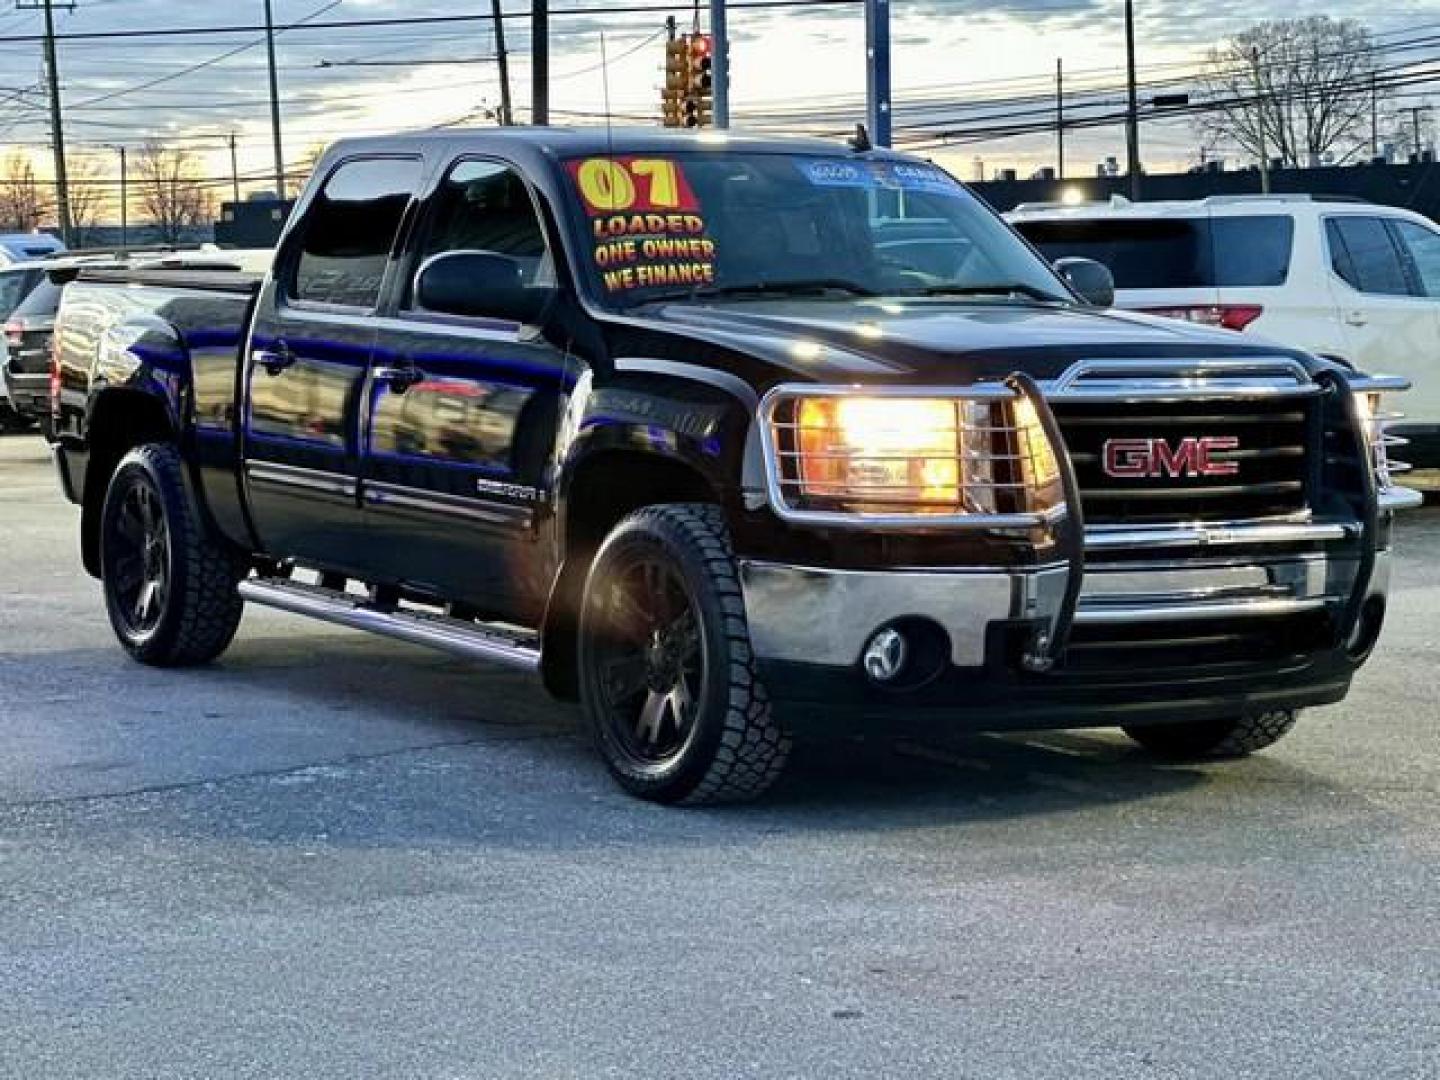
[612, 185]
[924, 178]
[644, 225]
[912, 176]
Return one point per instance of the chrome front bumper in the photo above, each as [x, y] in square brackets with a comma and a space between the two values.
[824, 617]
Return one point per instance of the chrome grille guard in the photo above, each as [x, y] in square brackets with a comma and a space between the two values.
[1057, 606]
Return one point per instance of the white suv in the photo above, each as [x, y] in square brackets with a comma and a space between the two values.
[1342, 279]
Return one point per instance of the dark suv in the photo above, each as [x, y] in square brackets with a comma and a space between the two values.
[16, 283]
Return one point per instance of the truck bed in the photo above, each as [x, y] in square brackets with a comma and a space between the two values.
[217, 279]
[173, 335]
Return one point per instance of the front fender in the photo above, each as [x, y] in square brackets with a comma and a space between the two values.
[690, 415]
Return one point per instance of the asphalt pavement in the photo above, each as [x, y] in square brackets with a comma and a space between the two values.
[330, 855]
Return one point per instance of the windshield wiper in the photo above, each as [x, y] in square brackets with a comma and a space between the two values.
[803, 287]
[1010, 288]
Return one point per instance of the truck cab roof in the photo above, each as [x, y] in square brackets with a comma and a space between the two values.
[578, 141]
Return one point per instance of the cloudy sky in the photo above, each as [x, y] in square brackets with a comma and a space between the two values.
[970, 62]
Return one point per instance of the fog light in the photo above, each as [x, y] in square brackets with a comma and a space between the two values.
[885, 655]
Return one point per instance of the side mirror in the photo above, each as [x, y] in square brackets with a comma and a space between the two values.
[479, 285]
[1090, 279]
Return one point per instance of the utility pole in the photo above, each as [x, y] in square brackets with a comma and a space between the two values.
[507, 117]
[1374, 119]
[877, 70]
[124, 198]
[540, 62]
[1415, 111]
[720, 64]
[1059, 119]
[1260, 125]
[57, 131]
[234, 167]
[274, 103]
[1132, 111]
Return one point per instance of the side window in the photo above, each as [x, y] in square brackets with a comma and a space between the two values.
[1362, 253]
[1423, 246]
[350, 229]
[485, 206]
[1251, 251]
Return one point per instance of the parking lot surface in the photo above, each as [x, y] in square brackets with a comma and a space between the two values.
[330, 855]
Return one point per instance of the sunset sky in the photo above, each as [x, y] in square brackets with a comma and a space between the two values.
[948, 54]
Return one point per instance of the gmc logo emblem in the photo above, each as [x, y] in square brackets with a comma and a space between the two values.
[1136, 459]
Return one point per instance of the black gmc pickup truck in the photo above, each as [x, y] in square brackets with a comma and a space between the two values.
[721, 436]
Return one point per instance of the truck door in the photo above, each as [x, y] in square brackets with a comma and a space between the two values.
[307, 362]
[463, 411]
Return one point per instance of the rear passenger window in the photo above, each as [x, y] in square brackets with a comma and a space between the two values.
[1364, 255]
[350, 230]
[485, 206]
[1251, 251]
[1174, 252]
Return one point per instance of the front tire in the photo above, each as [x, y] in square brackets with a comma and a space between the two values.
[170, 587]
[667, 676]
[1225, 738]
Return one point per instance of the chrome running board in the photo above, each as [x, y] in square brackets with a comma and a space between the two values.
[471, 640]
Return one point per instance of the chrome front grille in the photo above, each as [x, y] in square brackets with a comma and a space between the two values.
[1147, 462]
[1188, 440]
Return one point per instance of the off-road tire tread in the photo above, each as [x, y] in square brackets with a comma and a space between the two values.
[205, 575]
[754, 746]
[1217, 738]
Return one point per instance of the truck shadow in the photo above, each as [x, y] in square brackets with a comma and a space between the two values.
[427, 750]
[876, 780]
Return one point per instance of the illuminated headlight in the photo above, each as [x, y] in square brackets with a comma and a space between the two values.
[916, 455]
[901, 452]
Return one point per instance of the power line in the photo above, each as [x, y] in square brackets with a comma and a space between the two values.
[430, 20]
[211, 62]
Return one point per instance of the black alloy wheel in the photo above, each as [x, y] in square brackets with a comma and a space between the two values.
[171, 587]
[649, 652]
[667, 674]
[138, 542]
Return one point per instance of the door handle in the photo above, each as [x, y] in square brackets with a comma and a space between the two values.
[1356, 318]
[275, 360]
[399, 379]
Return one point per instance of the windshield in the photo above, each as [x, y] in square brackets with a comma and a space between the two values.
[716, 223]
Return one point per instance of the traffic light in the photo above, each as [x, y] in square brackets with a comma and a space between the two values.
[699, 82]
[701, 68]
[677, 73]
[688, 99]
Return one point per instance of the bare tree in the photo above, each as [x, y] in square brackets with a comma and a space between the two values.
[24, 201]
[299, 174]
[1294, 89]
[87, 197]
[173, 195]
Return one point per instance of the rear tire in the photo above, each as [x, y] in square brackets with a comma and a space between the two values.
[1226, 738]
[667, 675]
[170, 587]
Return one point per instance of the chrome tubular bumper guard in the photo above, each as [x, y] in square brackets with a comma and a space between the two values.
[814, 615]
